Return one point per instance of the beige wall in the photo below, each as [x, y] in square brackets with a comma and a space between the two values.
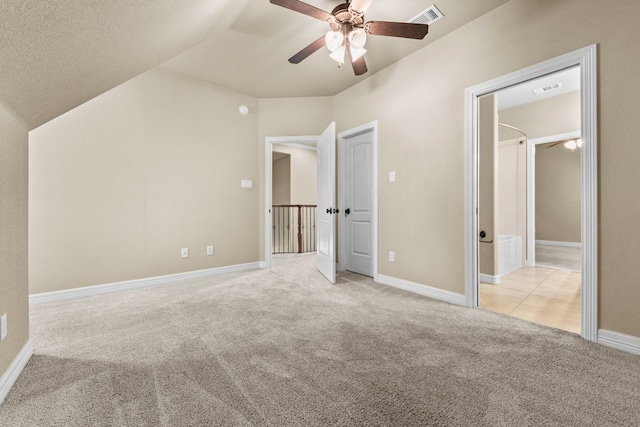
[488, 196]
[512, 188]
[303, 174]
[281, 179]
[13, 235]
[419, 102]
[120, 184]
[557, 194]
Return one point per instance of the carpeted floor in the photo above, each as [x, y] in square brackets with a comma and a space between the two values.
[283, 347]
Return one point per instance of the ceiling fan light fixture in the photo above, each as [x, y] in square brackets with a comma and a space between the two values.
[334, 39]
[358, 38]
[571, 144]
[338, 54]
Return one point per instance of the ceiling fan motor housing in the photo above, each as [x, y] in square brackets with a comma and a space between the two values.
[343, 16]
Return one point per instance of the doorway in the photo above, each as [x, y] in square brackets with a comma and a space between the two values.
[303, 142]
[326, 187]
[370, 129]
[585, 59]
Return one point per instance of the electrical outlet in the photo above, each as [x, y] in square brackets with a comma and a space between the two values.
[392, 177]
[185, 253]
[392, 257]
[209, 250]
[3, 326]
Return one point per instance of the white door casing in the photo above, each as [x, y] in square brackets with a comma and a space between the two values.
[531, 189]
[326, 211]
[268, 177]
[586, 59]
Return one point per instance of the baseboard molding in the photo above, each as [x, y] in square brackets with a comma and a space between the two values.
[557, 243]
[89, 291]
[424, 290]
[487, 278]
[9, 378]
[619, 341]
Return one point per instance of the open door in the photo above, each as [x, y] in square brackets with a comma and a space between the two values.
[326, 259]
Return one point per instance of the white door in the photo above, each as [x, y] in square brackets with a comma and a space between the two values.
[326, 259]
[359, 203]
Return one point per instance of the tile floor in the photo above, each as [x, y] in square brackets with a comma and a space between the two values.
[542, 295]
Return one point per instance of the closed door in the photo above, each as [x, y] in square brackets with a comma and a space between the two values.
[359, 203]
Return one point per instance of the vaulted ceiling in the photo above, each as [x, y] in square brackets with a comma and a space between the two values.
[56, 55]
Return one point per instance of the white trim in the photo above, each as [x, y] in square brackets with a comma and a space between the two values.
[558, 243]
[268, 184]
[9, 378]
[424, 290]
[342, 138]
[89, 291]
[619, 341]
[487, 278]
[531, 189]
[586, 58]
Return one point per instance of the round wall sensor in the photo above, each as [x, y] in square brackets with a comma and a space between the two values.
[244, 110]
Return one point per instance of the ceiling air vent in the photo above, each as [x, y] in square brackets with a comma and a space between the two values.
[428, 16]
[547, 88]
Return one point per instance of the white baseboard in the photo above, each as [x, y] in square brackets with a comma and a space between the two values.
[487, 278]
[557, 243]
[427, 291]
[9, 378]
[89, 291]
[619, 341]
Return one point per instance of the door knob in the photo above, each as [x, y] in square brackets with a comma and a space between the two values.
[329, 210]
[483, 234]
[347, 211]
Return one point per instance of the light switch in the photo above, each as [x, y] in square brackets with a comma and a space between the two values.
[392, 177]
[246, 183]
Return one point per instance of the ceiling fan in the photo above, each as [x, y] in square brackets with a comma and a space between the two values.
[348, 33]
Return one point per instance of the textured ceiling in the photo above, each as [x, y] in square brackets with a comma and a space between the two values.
[58, 54]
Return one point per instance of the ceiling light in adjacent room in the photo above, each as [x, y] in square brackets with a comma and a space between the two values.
[572, 144]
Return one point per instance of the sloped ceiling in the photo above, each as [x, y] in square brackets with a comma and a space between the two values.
[58, 54]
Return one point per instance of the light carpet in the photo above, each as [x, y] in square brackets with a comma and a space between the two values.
[283, 347]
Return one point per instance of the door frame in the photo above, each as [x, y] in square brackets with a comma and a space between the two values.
[342, 173]
[268, 184]
[531, 189]
[586, 59]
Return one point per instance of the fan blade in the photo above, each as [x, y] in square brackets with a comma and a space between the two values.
[304, 53]
[397, 29]
[359, 7]
[301, 7]
[359, 66]
[554, 144]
